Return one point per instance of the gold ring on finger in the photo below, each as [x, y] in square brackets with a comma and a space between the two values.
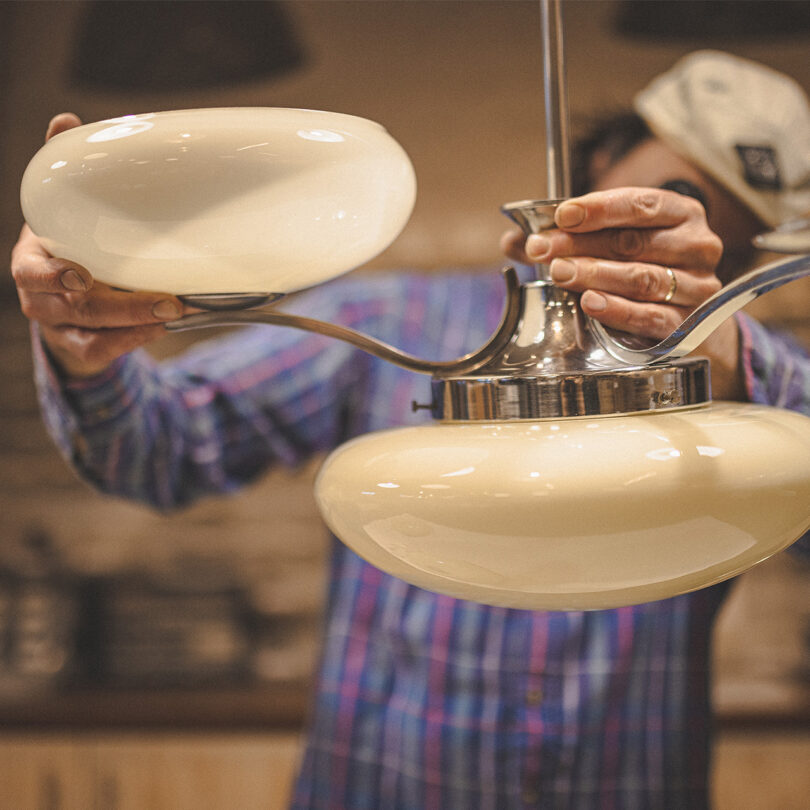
[673, 285]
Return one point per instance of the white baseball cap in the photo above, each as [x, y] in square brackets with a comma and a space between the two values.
[744, 124]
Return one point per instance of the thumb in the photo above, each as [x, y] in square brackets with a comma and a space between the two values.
[59, 123]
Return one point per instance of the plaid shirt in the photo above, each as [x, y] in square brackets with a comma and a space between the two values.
[422, 701]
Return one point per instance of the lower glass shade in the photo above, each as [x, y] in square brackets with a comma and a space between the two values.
[574, 514]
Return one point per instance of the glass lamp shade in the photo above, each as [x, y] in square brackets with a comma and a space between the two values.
[209, 201]
[574, 514]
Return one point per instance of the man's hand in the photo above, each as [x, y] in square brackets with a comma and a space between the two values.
[617, 246]
[85, 325]
[643, 259]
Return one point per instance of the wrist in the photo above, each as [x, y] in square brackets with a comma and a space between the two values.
[722, 348]
[67, 365]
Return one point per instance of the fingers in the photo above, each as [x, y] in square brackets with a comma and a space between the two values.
[61, 122]
[60, 293]
[86, 325]
[648, 320]
[36, 271]
[688, 245]
[100, 308]
[643, 224]
[637, 224]
[643, 259]
[86, 331]
[627, 208]
[634, 280]
[512, 245]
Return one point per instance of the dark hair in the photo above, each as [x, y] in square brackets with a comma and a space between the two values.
[607, 141]
[610, 138]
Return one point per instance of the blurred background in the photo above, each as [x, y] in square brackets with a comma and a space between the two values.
[176, 652]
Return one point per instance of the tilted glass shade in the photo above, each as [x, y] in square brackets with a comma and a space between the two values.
[247, 200]
[570, 514]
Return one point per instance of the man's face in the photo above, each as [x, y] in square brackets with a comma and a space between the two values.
[653, 163]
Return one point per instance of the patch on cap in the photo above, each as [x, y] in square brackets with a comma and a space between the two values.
[760, 166]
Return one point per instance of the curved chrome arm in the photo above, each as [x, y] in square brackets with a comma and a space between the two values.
[710, 314]
[461, 365]
[686, 338]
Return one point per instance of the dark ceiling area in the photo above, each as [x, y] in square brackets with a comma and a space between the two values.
[733, 20]
[171, 45]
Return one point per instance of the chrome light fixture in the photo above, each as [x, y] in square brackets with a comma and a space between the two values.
[565, 469]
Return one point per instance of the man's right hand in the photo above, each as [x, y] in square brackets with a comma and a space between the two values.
[86, 325]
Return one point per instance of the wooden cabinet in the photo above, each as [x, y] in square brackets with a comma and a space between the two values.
[146, 772]
[761, 771]
[752, 771]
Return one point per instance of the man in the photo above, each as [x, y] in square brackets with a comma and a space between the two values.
[424, 701]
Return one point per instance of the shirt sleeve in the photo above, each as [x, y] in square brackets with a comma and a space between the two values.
[775, 366]
[213, 419]
[777, 373]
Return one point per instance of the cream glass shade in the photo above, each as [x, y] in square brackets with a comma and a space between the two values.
[208, 201]
[574, 514]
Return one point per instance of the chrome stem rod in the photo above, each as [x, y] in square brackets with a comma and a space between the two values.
[558, 171]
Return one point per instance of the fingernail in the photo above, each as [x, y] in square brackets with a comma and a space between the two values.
[593, 301]
[569, 215]
[72, 281]
[166, 310]
[537, 246]
[562, 270]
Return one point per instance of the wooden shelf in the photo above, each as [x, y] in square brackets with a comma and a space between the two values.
[284, 706]
[276, 706]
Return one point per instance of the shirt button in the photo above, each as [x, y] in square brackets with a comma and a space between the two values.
[534, 697]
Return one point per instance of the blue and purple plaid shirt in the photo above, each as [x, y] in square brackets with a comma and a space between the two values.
[422, 701]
